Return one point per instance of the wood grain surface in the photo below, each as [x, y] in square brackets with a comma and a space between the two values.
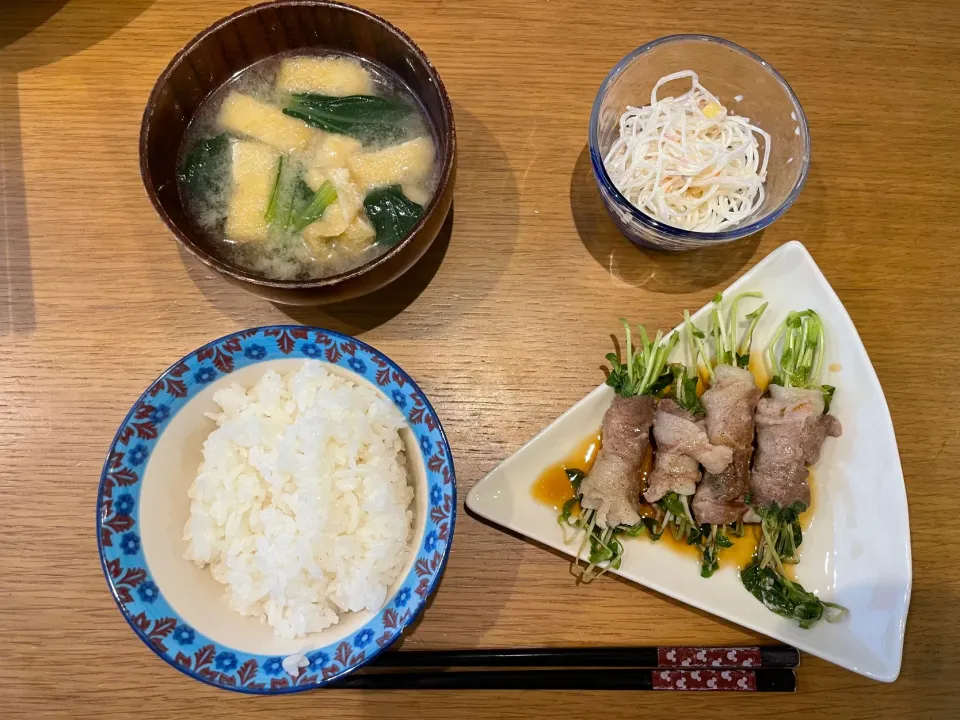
[504, 324]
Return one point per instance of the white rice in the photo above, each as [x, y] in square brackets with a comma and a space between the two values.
[301, 506]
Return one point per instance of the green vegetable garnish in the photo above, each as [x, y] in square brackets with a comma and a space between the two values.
[604, 547]
[684, 388]
[730, 351]
[641, 373]
[271, 214]
[205, 164]
[677, 516]
[714, 540]
[392, 213]
[296, 201]
[685, 377]
[696, 338]
[653, 528]
[801, 354]
[576, 477]
[766, 578]
[828, 391]
[366, 117]
[290, 198]
[326, 194]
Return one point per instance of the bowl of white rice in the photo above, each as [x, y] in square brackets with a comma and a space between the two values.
[276, 508]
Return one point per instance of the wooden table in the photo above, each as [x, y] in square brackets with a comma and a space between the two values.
[503, 326]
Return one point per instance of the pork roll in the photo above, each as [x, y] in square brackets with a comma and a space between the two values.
[791, 428]
[682, 446]
[730, 404]
[612, 488]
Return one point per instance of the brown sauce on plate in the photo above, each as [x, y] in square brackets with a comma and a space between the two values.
[759, 369]
[553, 487]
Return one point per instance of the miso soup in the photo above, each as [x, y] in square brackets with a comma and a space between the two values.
[304, 166]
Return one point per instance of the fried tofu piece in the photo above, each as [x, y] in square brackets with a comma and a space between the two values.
[337, 76]
[408, 163]
[254, 169]
[333, 151]
[244, 115]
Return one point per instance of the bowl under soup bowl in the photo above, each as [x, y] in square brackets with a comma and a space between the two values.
[176, 607]
[240, 40]
[746, 85]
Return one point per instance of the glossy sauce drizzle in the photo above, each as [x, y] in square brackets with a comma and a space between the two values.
[553, 487]
[758, 367]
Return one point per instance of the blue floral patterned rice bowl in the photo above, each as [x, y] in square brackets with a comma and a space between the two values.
[178, 609]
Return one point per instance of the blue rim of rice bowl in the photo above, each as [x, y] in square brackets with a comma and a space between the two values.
[122, 558]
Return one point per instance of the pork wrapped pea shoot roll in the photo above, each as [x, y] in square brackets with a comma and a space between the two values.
[730, 402]
[792, 425]
[791, 429]
[609, 496]
[682, 446]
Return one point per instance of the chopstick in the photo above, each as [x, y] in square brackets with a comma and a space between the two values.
[762, 680]
[762, 656]
[741, 669]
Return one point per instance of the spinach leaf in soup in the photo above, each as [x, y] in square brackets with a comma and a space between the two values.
[205, 165]
[290, 198]
[366, 117]
[311, 210]
[300, 198]
[274, 207]
[392, 213]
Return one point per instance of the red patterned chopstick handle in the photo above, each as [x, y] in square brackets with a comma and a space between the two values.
[726, 680]
[693, 657]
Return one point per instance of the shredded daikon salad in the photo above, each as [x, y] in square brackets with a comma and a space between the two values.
[687, 161]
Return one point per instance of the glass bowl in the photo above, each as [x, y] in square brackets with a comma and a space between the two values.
[746, 85]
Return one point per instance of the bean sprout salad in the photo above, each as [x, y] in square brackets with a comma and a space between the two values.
[687, 161]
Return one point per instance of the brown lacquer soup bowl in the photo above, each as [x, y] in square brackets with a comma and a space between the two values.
[235, 43]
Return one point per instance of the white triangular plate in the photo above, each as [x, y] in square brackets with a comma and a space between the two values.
[856, 551]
